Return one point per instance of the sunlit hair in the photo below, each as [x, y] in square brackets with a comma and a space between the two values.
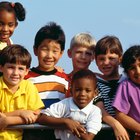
[15, 54]
[130, 56]
[15, 8]
[108, 44]
[50, 31]
[83, 39]
[84, 74]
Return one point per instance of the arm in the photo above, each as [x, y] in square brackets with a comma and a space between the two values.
[75, 127]
[6, 121]
[128, 122]
[86, 136]
[28, 116]
[119, 130]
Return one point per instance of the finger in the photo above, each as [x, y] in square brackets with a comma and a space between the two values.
[76, 132]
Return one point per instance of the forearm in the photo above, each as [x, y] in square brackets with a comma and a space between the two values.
[13, 120]
[86, 136]
[52, 121]
[128, 122]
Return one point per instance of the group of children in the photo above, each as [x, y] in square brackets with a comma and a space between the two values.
[75, 104]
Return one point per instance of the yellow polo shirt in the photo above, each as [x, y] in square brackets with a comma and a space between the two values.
[26, 97]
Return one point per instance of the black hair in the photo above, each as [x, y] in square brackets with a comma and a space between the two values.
[50, 31]
[83, 74]
[16, 8]
[130, 56]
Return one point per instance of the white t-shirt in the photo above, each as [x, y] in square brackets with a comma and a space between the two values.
[90, 117]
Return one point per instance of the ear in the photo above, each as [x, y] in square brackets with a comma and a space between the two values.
[120, 59]
[93, 57]
[27, 70]
[35, 51]
[69, 52]
[0, 68]
[16, 24]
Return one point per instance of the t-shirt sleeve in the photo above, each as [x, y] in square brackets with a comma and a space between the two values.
[121, 101]
[34, 101]
[56, 110]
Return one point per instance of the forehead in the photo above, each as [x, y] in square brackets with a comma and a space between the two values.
[81, 47]
[50, 43]
[85, 81]
[7, 16]
[109, 54]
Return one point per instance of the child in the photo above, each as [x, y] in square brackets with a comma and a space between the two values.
[108, 54]
[81, 52]
[76, 116]
[19, 99]
[49, 45]
[128, 94]
[52, 85]
[9, 14]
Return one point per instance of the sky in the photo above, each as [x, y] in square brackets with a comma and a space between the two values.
[98, 17]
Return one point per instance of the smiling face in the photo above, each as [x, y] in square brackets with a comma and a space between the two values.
[134, 72]
[83, 91]
[81, 57]
[13, 74]
[48, 53]
[108, 64]
[8, 24]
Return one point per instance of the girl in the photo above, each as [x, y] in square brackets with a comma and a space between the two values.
[9, 14]
[127, 100]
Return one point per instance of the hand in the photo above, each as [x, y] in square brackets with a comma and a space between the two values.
[29, 116]
[75, 127]
[120, 132]
[2, 115]
[3, 122]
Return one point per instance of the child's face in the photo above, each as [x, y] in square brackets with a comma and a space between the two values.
[134, 72]
[7, 25]
[13, 74]
[48, 53]
[81, 57]
[108, 64]
[83, 91]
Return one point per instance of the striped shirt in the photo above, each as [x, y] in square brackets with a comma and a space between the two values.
[107, 92]
[51, 86]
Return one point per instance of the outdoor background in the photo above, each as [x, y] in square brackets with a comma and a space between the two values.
[99, 17]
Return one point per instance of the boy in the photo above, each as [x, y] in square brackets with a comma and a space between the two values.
[20, 102]
[76, 116]
[49, 45]
[52, 85]
[81, 52]
[108, 55]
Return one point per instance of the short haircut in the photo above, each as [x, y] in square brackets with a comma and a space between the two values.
[130, 56]
[84, 74]
[15, 54]
[108, 43]
[83, 39]
[50, 31]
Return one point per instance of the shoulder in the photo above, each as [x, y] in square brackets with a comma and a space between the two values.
[62, 75]
[31, 73]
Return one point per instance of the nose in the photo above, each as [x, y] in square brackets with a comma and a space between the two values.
[15, 71]
[138, 69]
[4, 27]
[83, 55]
[49, 54]
[106, 61]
